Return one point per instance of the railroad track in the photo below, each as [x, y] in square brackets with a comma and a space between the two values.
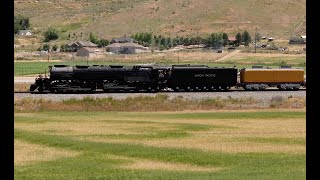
[126, 92]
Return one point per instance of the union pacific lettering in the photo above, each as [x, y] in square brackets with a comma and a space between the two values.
[204, 75]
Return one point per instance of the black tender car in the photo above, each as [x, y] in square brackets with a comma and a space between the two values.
[201, 77]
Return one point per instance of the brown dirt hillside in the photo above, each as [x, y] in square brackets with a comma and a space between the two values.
[111, 18]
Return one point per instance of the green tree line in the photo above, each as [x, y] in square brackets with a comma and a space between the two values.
[215, 39]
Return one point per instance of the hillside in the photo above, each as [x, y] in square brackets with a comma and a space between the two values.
[111, 18]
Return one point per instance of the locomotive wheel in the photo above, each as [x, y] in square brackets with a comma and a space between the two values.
[224, 88]
[296, 88]
[157, 89]
[176, 89]
[40, 89]
[149, 89]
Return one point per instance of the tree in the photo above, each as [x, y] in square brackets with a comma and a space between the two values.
[258, 37]
[156, 41]
[152, 44]
[199, 40]
[181, 41]
[51, 34]
[186, 41]
[24, 23]
[193, 41]
[46, 47]
[103, 43]
[225, 39]
[148, 38]
[163, 41]
[16, 28]
[238, 38]
[63, 48]
[21, 23]
[169, 42]
[176, 41]
[93, 38]
[246, 38]
[213, 39]
[54, 47]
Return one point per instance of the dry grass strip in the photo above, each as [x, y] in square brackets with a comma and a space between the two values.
[26, 153]
[145, 164]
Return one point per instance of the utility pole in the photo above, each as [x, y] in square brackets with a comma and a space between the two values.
[48, 54]
[255, 41]
[178, 57]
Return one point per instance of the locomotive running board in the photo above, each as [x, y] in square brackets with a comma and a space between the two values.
[119, 88]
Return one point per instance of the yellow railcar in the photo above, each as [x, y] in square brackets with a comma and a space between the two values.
[284, 79]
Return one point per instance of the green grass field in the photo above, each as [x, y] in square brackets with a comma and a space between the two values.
[28, 68]
[163, 145]
[300, 61]
[36, 67]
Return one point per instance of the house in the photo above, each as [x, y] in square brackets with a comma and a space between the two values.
[263, 37]
[124, 39]
[86, 44]
[24, 33]
[125, 48]
[232, 39]
[270, 39]
[297, 40]
[304, 38]
[75, 46]
[85, 52]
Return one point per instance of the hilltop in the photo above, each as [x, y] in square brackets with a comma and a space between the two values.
[112, 18]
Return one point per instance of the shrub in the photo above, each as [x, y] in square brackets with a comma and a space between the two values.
[51, 34]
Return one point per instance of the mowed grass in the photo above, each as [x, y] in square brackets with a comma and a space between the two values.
[291, 60]
[160, 145]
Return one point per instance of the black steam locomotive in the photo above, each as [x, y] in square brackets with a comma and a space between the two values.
[137, 78]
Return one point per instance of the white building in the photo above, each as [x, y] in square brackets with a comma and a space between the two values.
[24, 33]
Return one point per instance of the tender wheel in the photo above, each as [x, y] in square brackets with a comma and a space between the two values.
[248, 88]
[282, 87]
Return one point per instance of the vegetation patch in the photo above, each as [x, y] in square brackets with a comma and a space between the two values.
[160, 102]
[21, 87]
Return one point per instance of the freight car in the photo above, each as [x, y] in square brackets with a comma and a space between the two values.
[154, 78]
[283, 78]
